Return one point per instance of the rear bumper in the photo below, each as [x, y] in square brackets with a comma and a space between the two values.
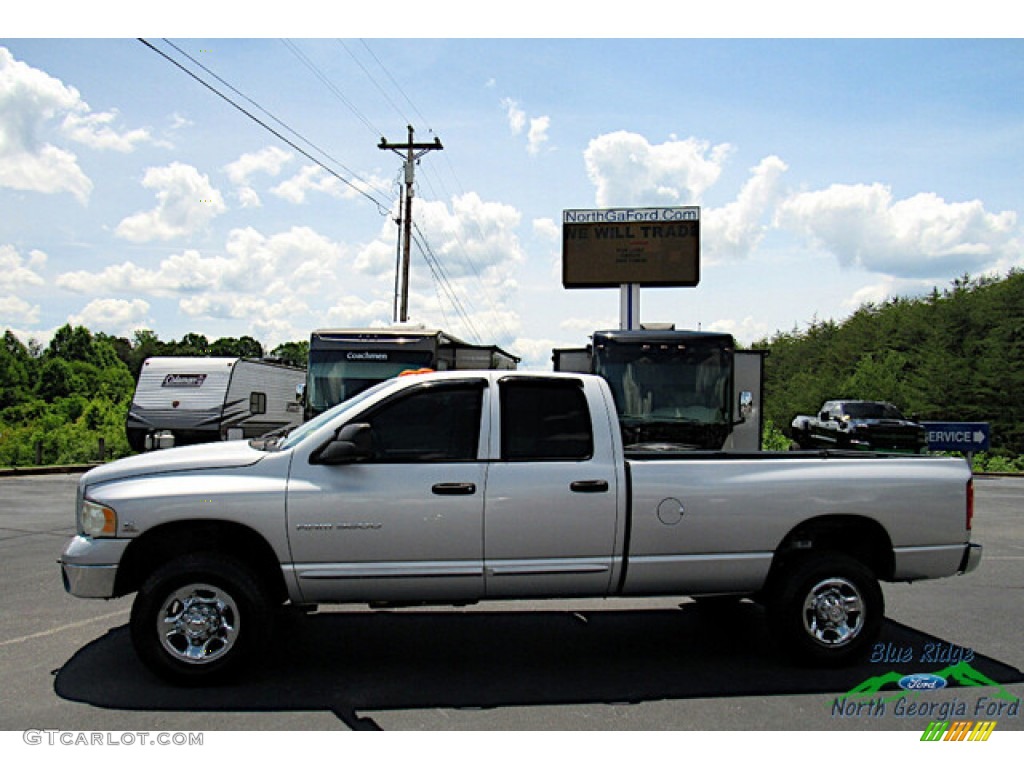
[935, 562]
[971, 559]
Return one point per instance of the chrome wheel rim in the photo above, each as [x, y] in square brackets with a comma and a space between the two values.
[834, 612]
[198, 623]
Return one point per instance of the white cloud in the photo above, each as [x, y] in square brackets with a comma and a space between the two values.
[114, 316]
[94, 130]
[378, 257]
[888, 288]
[269, 160]
[17, 274]
[472, 238]
[735, 229]
[921, 236]
[248, 197]
[30, 98]
[177, 274]
[258, 283]
[548, 229]
[515, 115]
[535, 353]
[478, 249]
[14, 309]
[30, 101]
[628, 170]
[313, 178]
[186, 202]
[537, 133]
[474, 319]
[298, 260]
[271, 319]
[293, 261]
[745, 331]
[355, 311]
[309, 178]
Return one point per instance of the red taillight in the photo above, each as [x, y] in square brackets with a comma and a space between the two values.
[970, 503]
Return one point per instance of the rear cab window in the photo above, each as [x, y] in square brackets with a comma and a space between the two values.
[545, 420]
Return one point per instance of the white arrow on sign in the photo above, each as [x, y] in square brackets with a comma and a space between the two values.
[979, 436]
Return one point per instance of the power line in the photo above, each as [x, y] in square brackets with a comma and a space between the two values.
[373, 80]
[383, 208]
[397, 87]
[442, 279]
[330, 86]
[470, 262]
[463, 251]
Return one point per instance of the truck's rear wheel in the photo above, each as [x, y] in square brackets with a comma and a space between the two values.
[199, 618]
[826, 608]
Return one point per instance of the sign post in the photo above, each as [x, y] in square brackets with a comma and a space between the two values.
[629, 307]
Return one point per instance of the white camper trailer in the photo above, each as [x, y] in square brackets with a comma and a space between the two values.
[184, 400]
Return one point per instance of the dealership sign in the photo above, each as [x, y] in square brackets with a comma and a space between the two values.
[610, 247]
[965, 436]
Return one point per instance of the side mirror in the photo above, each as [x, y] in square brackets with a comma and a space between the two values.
[353, 443]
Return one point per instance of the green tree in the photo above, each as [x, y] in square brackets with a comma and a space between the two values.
[56, 380]
[16, 365]
[192, 345]
[71, 343]
[292, 352]
[246, 346]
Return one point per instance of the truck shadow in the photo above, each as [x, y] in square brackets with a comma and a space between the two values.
[359, 662]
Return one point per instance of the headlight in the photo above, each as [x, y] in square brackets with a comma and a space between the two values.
[97, 520]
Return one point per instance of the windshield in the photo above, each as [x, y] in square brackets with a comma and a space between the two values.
[668, 382]
[335, 375]
[871, 411]
[302, 431]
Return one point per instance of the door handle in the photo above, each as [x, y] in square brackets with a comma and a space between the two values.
[454, 489]
[589, 486]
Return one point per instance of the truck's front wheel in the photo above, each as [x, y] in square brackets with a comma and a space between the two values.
[826, 609]
[199, 618]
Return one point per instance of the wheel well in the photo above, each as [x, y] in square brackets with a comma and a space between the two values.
[165, 542]
[861, 538]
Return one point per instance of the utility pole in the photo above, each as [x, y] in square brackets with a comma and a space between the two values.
[413, 152]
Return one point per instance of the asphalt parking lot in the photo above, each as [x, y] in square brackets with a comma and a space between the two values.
[592, 665]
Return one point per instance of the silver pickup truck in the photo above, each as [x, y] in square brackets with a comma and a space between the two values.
[452, 488]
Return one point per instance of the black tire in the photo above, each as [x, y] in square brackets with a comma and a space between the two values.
[200, 618]
[826, 609]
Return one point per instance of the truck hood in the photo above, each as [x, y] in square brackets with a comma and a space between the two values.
[222, 455]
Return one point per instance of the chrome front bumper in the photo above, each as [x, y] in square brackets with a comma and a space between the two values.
[89, 566]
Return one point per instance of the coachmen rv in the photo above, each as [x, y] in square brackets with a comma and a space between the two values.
[185, 400]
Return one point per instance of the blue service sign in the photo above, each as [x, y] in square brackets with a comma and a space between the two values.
[965, 436]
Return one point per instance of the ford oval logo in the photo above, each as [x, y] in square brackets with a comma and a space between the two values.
[922, 682]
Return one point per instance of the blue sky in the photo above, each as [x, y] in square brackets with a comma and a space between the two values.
[829, 173]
